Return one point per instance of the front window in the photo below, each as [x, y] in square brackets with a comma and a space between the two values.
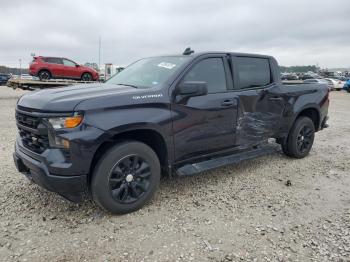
[148, 72]
[67, 62]
[211, 71]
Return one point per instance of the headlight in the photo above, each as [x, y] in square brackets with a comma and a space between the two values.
[56, 123]
[66, 122]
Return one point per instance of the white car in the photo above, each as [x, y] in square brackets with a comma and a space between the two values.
[336, 83]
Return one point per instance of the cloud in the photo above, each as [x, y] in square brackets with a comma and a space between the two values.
[295, 32]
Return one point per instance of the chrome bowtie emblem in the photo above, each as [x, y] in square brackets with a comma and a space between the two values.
[34, 139]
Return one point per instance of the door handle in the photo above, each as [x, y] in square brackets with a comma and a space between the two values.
[276, 98]
[228, 102]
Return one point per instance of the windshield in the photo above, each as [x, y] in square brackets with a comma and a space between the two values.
[148, 72]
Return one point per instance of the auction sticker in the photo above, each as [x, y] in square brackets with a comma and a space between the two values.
[166, 65]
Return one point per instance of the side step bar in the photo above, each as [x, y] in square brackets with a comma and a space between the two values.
[193, 169]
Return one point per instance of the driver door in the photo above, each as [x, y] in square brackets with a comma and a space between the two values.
[205, 124]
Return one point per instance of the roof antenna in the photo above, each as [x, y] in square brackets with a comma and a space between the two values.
[188, 51]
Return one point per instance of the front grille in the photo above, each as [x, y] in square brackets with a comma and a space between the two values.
[28, 121]
[33, 132]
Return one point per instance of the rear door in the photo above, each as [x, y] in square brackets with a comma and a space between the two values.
[260, 100]
[205, 124]
[55, 66]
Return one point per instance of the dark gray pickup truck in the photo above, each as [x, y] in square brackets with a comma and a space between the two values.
[179, 114]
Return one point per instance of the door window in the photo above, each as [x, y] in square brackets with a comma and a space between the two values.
[252, 72]
[68, 62]
[211, 71]
[53, 60]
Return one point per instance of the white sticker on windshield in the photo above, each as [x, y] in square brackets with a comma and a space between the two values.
[166, 65]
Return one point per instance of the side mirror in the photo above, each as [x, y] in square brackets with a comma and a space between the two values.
[192, 88]
[76, 65]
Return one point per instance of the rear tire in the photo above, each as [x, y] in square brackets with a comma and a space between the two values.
[44, 75]
[300, 138]
[126, 177]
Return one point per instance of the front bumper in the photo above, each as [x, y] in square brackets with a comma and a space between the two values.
[72, 187]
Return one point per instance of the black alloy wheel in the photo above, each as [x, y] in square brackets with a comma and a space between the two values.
[126, 177]
[300, 138]
[305, 139]
[129, 179]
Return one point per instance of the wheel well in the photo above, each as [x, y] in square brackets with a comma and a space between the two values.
[313, 114]
[151, 138]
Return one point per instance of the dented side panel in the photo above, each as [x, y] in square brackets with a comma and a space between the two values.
[260, 114]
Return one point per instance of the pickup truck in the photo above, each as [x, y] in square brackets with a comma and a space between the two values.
[167, 115]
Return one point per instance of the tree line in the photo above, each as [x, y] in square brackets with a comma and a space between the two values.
[11, 70]
[299, 69]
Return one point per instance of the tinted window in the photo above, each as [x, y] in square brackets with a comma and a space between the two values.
[211, 71]
[68, 62]
[252, 72]
[53, 60]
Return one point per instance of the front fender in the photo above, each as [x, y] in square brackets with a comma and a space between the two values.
[114, 122]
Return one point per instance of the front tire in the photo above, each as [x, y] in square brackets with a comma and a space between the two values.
[126, 177]
[86, 77]
[300, 138]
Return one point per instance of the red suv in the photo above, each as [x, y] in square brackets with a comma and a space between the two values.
[57, 67]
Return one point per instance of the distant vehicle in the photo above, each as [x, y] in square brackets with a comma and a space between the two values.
[289, 77]
[110, 70]
[319, 81]
[346, 86]
[4, 78]
[102, 77]
[304, 77]
[56, 67]
[335, 83]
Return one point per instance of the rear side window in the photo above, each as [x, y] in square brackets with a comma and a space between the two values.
[252, 72]
[52, 60]
[211, 71]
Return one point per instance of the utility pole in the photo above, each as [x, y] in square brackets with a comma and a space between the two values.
[99, 53]
[20, 68]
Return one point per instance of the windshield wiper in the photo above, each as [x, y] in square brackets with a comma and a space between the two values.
[128, 85]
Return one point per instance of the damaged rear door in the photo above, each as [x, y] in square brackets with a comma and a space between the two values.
[260, 102]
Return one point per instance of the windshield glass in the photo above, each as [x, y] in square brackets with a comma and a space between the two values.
[148, 72]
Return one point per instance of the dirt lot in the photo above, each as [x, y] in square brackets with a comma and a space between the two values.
[241, 212]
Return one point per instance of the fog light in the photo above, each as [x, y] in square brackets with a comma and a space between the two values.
[58, 142]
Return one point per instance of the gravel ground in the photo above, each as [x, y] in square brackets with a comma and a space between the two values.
[241, 212]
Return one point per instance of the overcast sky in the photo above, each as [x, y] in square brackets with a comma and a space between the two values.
[298, 32]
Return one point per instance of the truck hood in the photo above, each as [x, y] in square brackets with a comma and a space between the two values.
[67, 98]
